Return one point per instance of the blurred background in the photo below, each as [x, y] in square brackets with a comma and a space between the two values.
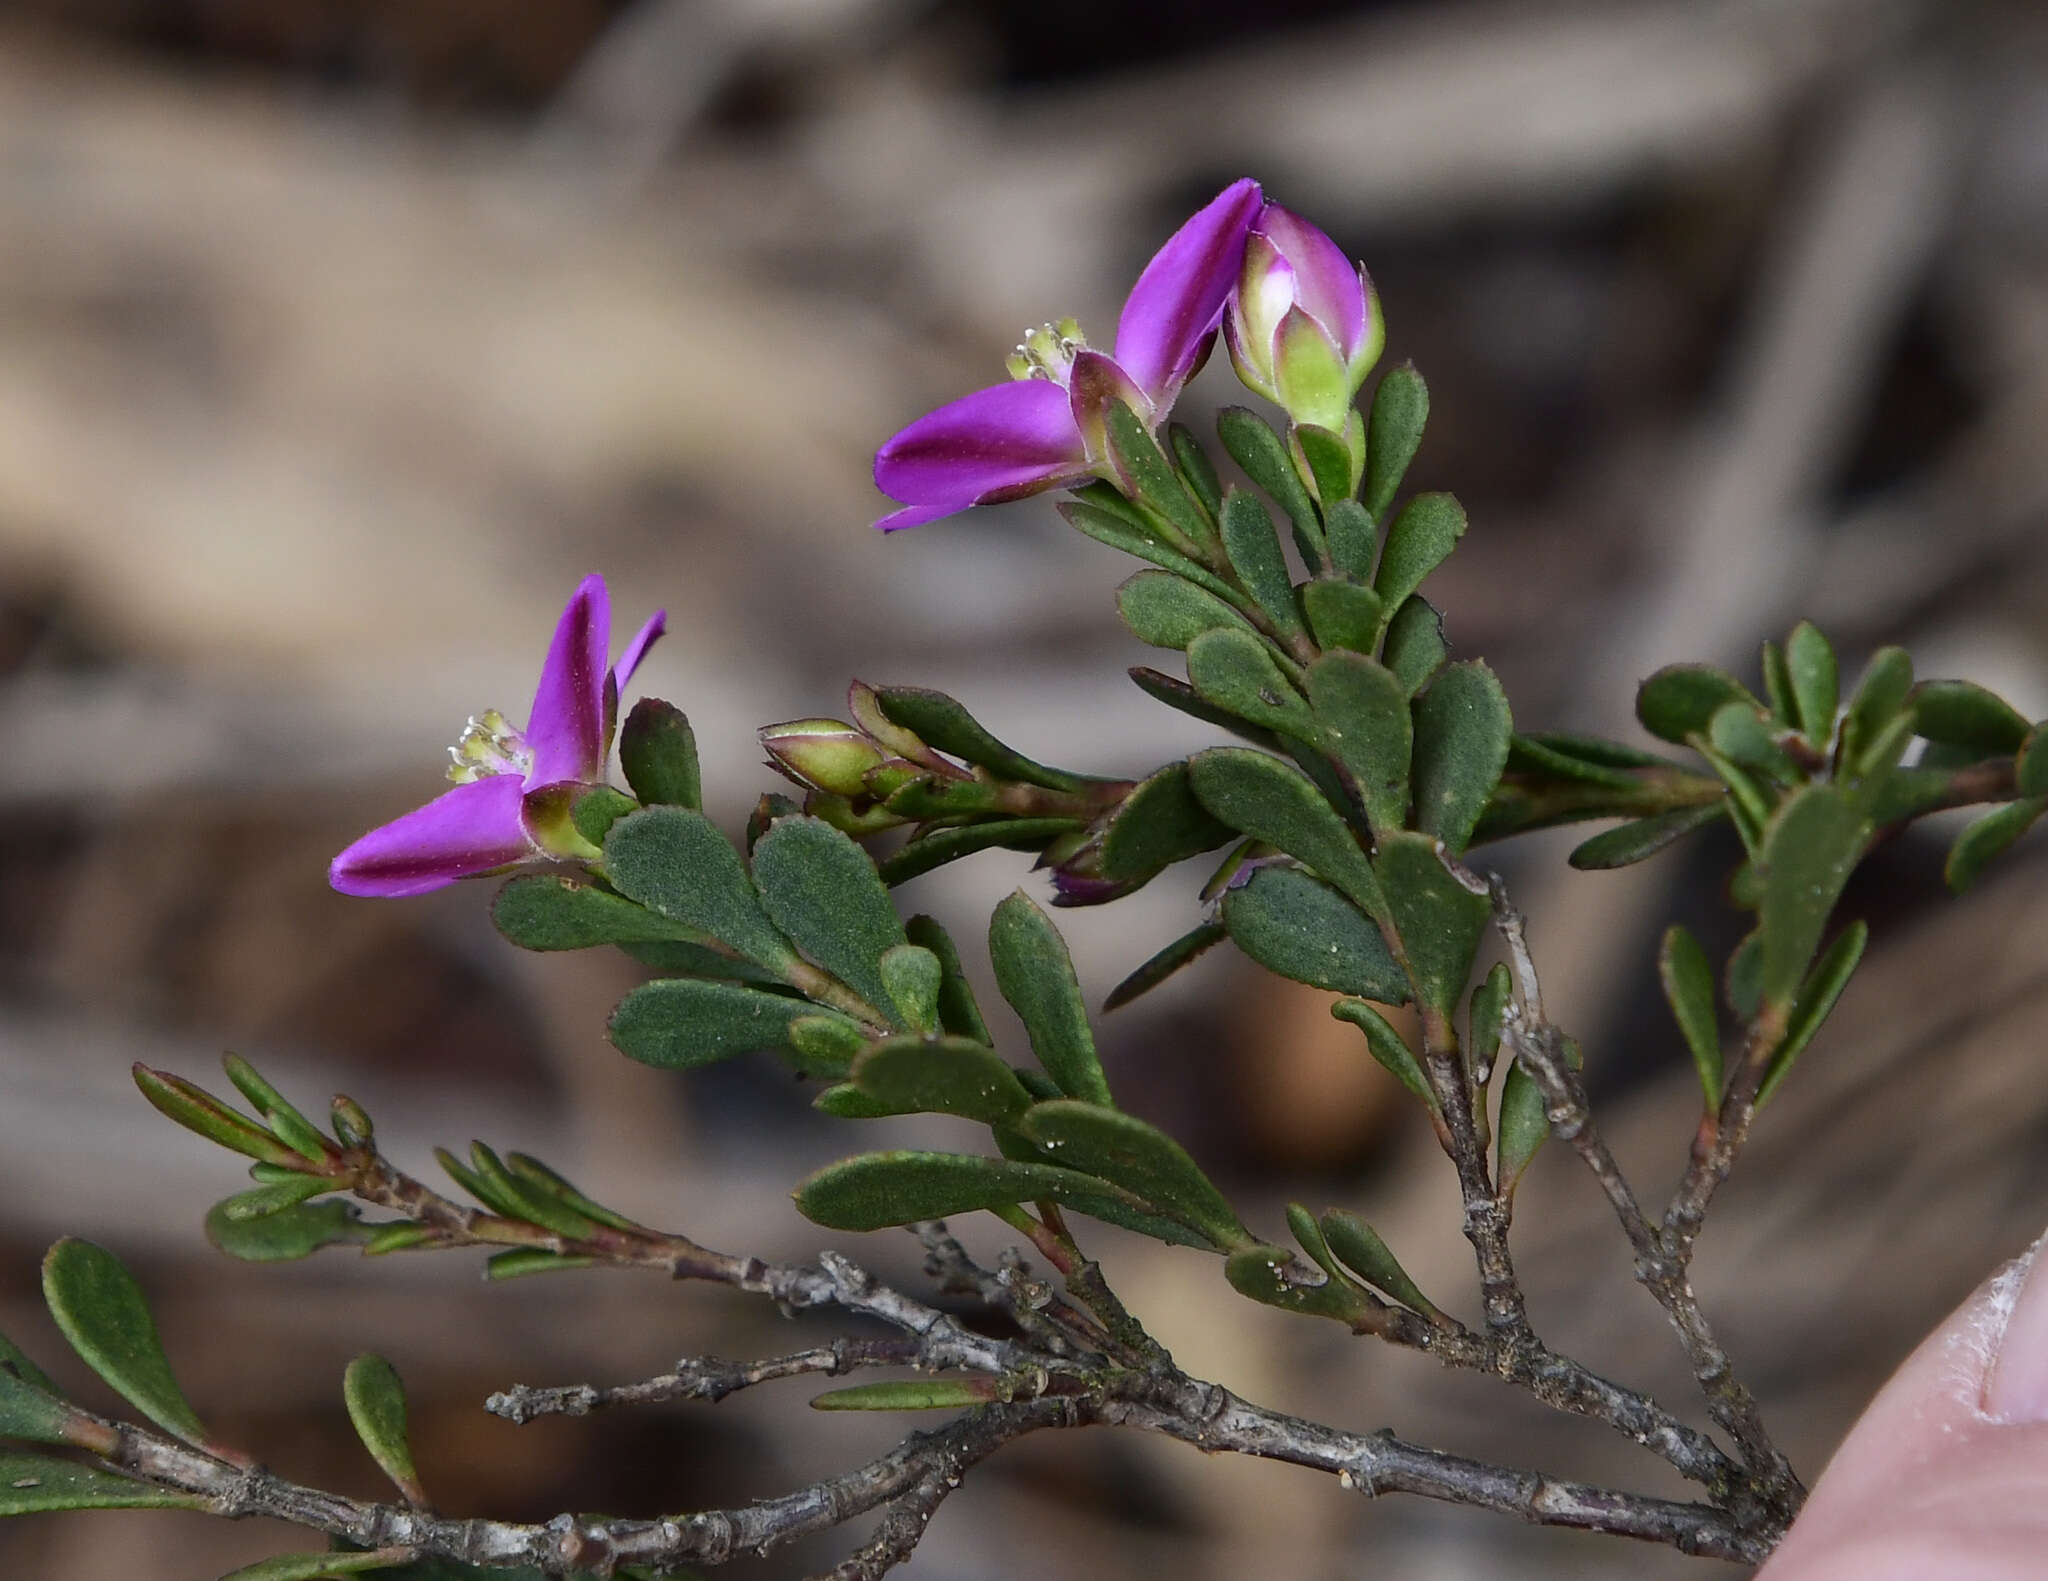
[337, 340]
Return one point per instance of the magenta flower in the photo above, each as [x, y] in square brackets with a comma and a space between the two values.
[1304, 328]
[512, 787]
[1046, 427]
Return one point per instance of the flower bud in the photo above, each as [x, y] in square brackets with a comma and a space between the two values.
[823, 754]
[1304, 326]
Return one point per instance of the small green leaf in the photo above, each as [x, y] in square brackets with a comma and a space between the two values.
[1743, 976]
[1680, 700]
[1106, 527]
[943, 723]
[1749, 805]
[1236, 671]
[1523, 1127]
[1386, 1045]
[1965, 715]
[318, 1567]
[1328, 461]
[197, 1110]
[1164, 964]
[1343, 614]
[822, 891]
[1263, 454]
[1531, 757]
[947, 1075]
[1353, 539]
[876, 1191]
[1365, 723]
[1988, 838]
[658, 755]
[1817, 997]
[1642, 838]
[596, 810]
[1275, 1277]
[1816, 681]
[31, 1410]
[1143, 465]
[1439, 921]
[1400, 408]
[1596, 751]
[376, 1405]
[908, 1394]
[680, 1023]
[291, 1127]
[290, 1233]
[912, 977]
[1421, 539]
[34, 1484]
[959, 1014]
[542, 911]
[1809, 849]
[825, 1045]
[673, 861]
[1778, 687]
[14, 1359]
[101, 1310]
[941, 846]
[1264, 798]
[1486, 1017]
[1688, 979]
[2030, 768]
[1036, 976]
[388, 1238]
[1141, 1158]
[1879, 697]
[1462, 730]
[1255, 555]
[1160, 823]
[1415, 648]
[1196, 470]
[1358, 1245]
[1310, 1235]
[274, 1197]
[1744, 734]
[524, 1260]
[536, 1177]
[1299, 927]
[1179, 695]
[1165, 612]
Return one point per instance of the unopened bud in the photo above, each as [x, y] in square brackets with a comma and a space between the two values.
[823, 754]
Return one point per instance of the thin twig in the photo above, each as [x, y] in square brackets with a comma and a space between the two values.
[707, 1378]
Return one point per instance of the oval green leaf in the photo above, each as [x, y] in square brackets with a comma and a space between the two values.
[101, 1310]
[1363, 713]
[947, 1075]
[675, 862]
[822, 891]
[1036, 975]
[1294, 924]
[1266, 799]
[680, 1023]
[1421, 539]
[1462, 731]
[1141, 1158]
[1400, 408]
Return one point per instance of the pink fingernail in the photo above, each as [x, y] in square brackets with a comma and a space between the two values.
[2017, 1389]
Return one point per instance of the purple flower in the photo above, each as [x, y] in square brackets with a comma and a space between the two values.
[512, 787]
[1046, 427]
[1304, 328]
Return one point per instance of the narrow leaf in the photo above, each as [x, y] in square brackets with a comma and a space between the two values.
[1196, 470]
[519, 1263]
[291, 1127]
[1816, 681]
[1264, 798]
[943, 723]
[1642, 838]
[1144, 465]
[1680, 700]
[1255, 555]
[1400, 408]
[1359, 1246]
[959, 1013]
[1688, 979]
[1817, 998]
[1486, 1017]
[1179, 695]
[1984, 841]
[290, 1233]
[1163, 611]
[941, 846]
[375, 1398]
[1439, 921]
[1964, 714]
[1141, 1158]
[1879, 697]
[1107, 528]
[1036, 976]
[101, 1310]
[1164, 964]
[1387, 1046]
[908, 1394]
[1235, 671]
[1415, 648]
[1809, 849]
[1263, 454]
[1275, 1277]
[1160, 823]
[1462, 730]
[542, 911]
[1363, 713]
[197, 1110]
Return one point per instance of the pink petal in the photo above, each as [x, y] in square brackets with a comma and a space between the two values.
[999, 443]
[1095, 382]
[1179, 298]
[565, 730]
[1326, 281]
[470, 829]
[636, 650]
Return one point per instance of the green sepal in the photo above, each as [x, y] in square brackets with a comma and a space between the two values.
[941, 846]
[1965, 715]
[681, 1023]
[101, 1311]
[1816, 681]
[1255, 555]
[675, 862]
[1237, 672]
[1414, 648]
[1400, 408]
[1809, 849]
[524, 1260]
[1365, 724]
[959, 1013]
[876, 1191]
[658, 755]
[1462, 731]
[1680, 700]
[1163, 611]
[375, 1397]
[1985, 840]
[1642, 838]
[1816, 1001]
[1264, 798]
[821, 890]
[289, 1234]
[1387, 1046]
[1160, 823]
[1358, 1246]
[1267, 1274]
[1164, 964]
[1420, 539]
[1343, 614]
[1328, 459]
[290, 1127]
[943, 723]
[595, 811]
[1143, 465]
[546, 911]
[33, 1484]
[1354, 541]
[946, 1075]
[1294, 924]
[1139, 1157]
[1183, 697]
[1263, 454]
[1688, 981]
[1036, 976]
[1196, 470]
[1439, 921]
[908, 1394]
